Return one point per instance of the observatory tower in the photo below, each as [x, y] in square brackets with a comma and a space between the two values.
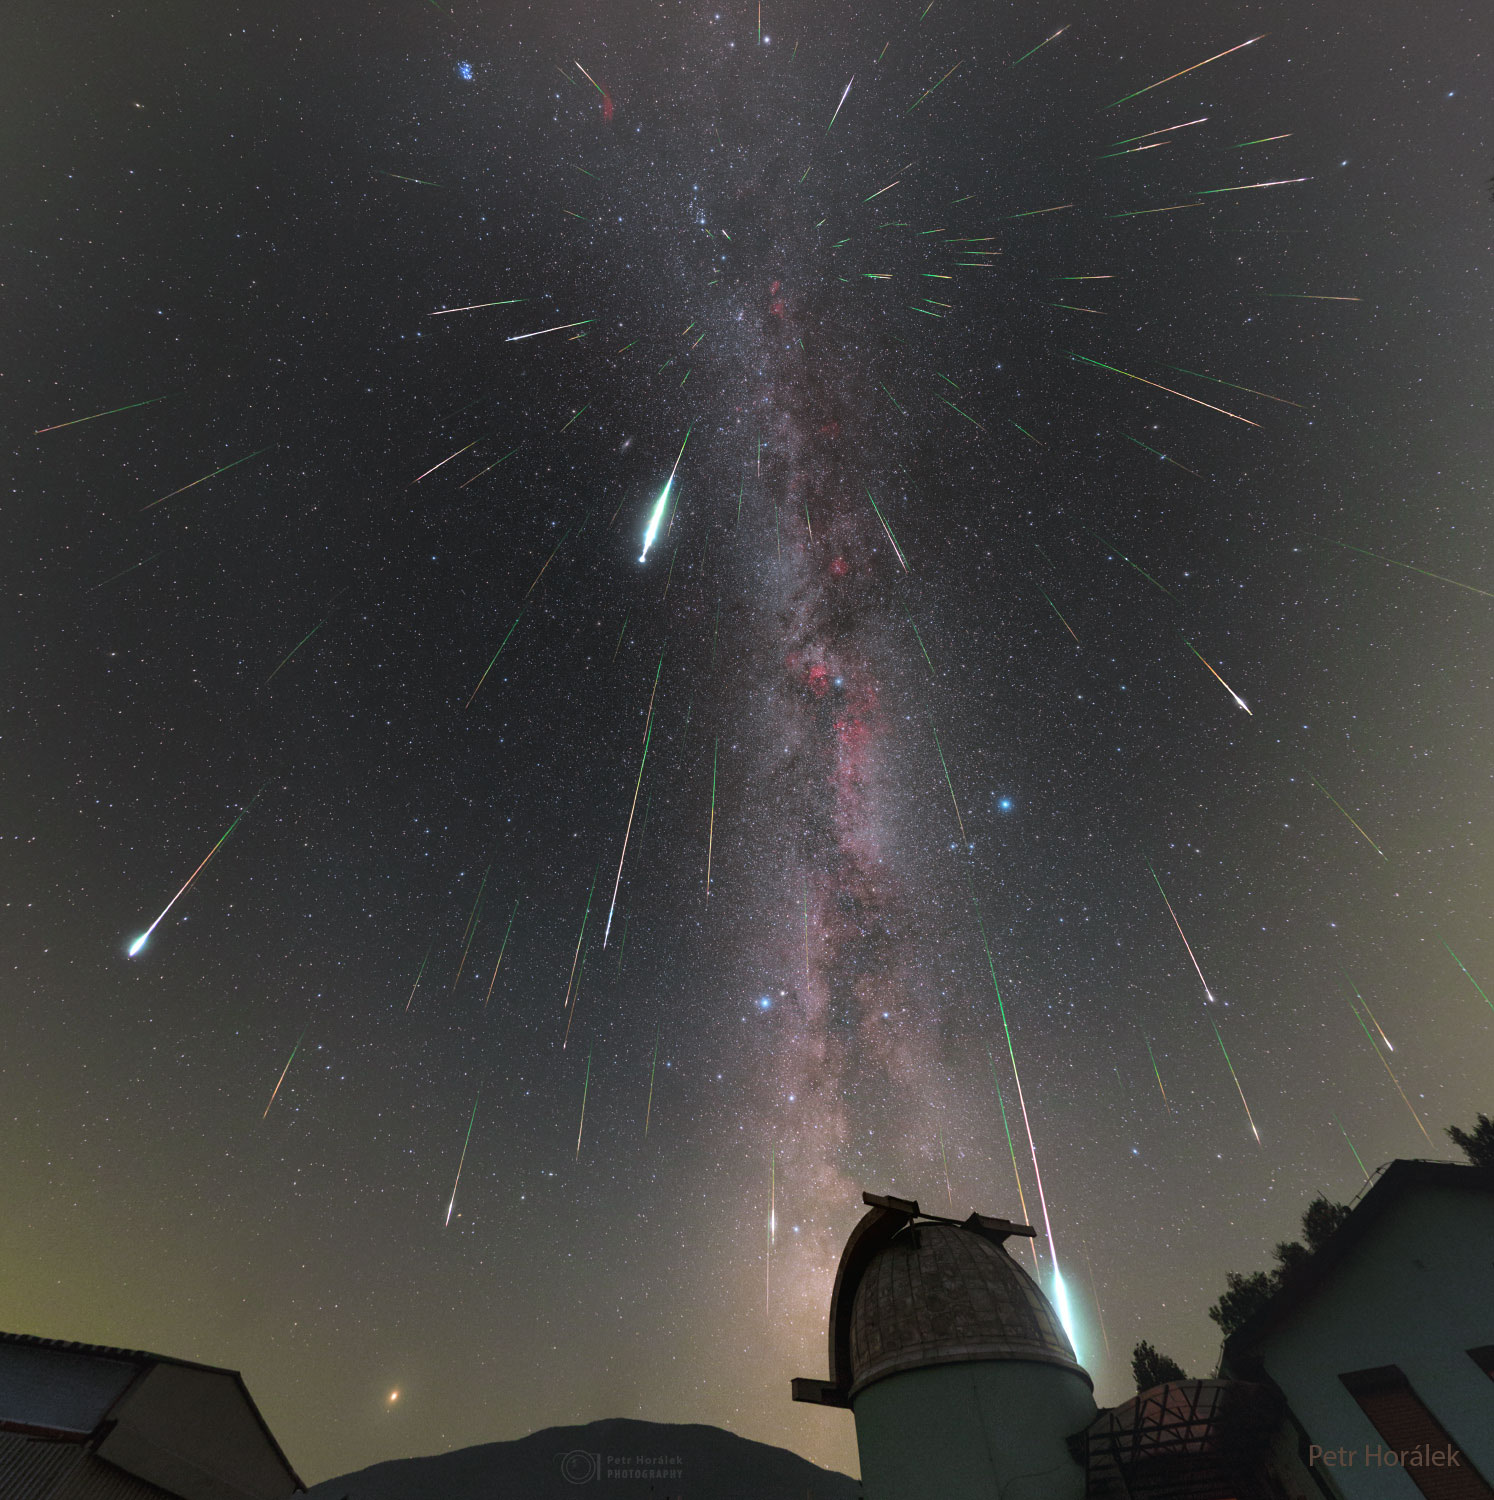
[959, 1374]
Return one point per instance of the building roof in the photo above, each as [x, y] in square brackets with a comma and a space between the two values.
[914, 1290]
[123, 1402]
[1389, 1186]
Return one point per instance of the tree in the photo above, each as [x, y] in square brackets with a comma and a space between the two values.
[1290, 1256]
[1152, 1368]
[1244, 1296]
[1478, 1144]
[1320, 1221]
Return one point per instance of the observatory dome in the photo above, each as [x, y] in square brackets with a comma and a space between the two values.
[942, 1293]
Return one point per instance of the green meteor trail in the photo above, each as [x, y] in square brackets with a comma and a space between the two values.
[418, 976]
[918, 638]
[585, 1089]
[885, 527]
[661, 505]
[653, 1068]
[1115, 369]
[1156, 1073]
[1130, 564]
[581, 937]
[1197, 375]
[1157, 452]
[1396, 1081]
[1056, 611]
[216, 472]
[144, 937]
[499, 651]
[58, 426]
[648, 731]
[286, 1069]
[953, 799]
[463, 1161]
[1158, 84]
[1411, 567]
[502, 948]
[711, 837]
[472, 922]
[1021, 1100]
[1233, 1075]
[1011, 1147]
[1469, 977]
[1039, 47]
[1339, 805]
[1345, 1133]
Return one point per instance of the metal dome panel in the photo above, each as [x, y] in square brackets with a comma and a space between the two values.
[940, 1293]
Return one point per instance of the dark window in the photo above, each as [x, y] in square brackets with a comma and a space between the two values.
[1484, 1359]
[1414, 1439]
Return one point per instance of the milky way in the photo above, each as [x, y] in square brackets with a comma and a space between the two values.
[1038, 513]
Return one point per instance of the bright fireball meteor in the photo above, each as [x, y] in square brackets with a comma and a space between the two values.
[661, 505]
[144, 937]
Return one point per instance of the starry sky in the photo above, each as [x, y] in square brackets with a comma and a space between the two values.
[1025, 746]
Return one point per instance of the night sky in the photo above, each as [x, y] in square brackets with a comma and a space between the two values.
[918, 669]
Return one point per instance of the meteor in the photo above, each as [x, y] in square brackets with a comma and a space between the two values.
[444, 461]
[472, 923]
[1060, 1291]
[885, 527]
[661, 505]
[1208, 993]
[1215, 58]
[1378, 1027]
[1006, 1126]
[441, 312]
[648, 730]
[1164, 131]
[1339, 805]
[1115, 369]
[502, 948]
[461, 1163]
[947, 782]
[1039, 46]
[144, 937]
[58, 426]
[711, 839]
[1232, 1074]
[1383, 1063]
[216, 472]
[1469, 977]
[1411, 567]
[419, 975]
[1345, 1134]
[1227, 688]
[652, 1069]
[286, 1069]
[515, 337]
[585, 1089]
[842, 101]
[1156, 1072]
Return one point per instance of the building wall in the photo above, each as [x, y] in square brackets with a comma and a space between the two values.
[971, 1431]
[1416, 1292]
